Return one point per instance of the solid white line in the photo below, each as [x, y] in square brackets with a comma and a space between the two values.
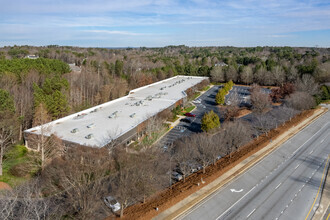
[235, 203]
[297, 166]
[250, 213]
[278, 185]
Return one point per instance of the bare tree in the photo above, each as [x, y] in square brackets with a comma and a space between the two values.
[81, 176]
[236, 134]
[184, 155]
[217, 74]
[300, 101]
[279, 75]
[260, 100]
[26, 202]
[204, 147]
[126, 179]
[307, 84]
[264, 123]
[231, 74]
[247, 75]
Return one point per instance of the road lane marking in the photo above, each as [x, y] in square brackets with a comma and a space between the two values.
[318, 191]
[297, 166]
[311, 137]
[235, 203]
[311, 152]
[278, 185]
[250, 213]
[322, 141]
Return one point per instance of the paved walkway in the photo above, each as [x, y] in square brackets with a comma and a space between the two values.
[209, 189]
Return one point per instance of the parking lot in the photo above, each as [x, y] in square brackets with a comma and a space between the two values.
[205, 103]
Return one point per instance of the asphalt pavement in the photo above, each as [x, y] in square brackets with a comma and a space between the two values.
[286, 184]
[207, 103]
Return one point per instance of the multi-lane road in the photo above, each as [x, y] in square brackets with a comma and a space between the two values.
[286, 184]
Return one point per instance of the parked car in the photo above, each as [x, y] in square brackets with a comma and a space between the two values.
[187, 120]
[188, 114]
[176, 176]
[112, 203]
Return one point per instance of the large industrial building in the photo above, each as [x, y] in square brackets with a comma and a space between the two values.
[118, 119]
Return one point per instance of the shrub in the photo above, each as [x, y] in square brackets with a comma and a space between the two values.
[210, 121]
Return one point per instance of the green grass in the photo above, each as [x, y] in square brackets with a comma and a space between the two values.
[173, 119]
[187, 109]
[154, 136]
[206, 88]
[17, 155]
[195, 95]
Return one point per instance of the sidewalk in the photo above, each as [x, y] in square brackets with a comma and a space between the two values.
[184, 205]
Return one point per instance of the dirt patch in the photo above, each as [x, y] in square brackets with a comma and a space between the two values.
[243, 112]
[277, 103]
[4, 186]
[169, 197]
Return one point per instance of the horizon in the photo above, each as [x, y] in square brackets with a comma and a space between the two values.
[159, 23]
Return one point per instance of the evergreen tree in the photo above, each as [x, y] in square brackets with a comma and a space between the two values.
[210, 121]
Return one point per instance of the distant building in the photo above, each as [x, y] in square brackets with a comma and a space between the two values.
[120, 119]
[33, 57]
[221, 64]
[74, 68]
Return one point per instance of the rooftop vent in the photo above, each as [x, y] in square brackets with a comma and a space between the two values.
[75, 130]
[132, 115]
[113, 115]
[89, 136]
[91, 125]
[95, 110]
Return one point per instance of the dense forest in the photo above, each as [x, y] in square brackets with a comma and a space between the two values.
[34, 91]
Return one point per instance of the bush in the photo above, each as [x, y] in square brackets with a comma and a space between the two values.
[210, 121]
[20, 170]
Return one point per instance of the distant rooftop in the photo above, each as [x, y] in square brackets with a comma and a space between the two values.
[97, 126]
[75, 68]
[32, 57]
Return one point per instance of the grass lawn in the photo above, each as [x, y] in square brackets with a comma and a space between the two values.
[206, 88]
[188, 109]
[195, 95]
[154, 136]
[18, 155]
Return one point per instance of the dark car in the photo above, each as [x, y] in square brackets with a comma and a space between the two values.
[187, 120]
[190, 114]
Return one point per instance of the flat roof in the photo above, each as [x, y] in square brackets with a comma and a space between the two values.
[98, 125]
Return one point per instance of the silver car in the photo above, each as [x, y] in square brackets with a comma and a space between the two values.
[112, 203]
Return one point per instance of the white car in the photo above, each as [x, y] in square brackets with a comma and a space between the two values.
[112, 203]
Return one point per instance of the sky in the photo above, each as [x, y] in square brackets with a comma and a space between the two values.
[158, 23]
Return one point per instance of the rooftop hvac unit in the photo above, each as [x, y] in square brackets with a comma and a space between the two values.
[89, 136]
[95, 110]
[75, 130]
[91, 125]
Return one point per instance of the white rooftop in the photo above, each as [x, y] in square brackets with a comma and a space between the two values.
[97, 126]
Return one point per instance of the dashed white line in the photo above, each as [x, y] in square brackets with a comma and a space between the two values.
[250, 213]
[278, 185]
[322, 141]
[311, 152]
[297, 166]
